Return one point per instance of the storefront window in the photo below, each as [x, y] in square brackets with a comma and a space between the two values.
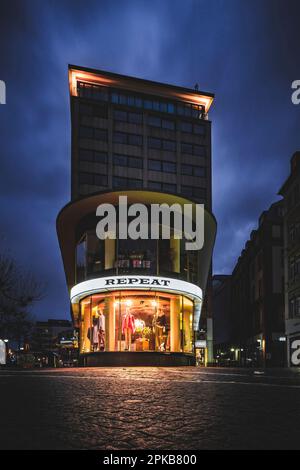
[136, 322]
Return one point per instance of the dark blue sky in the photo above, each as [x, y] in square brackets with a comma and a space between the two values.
[246, 52]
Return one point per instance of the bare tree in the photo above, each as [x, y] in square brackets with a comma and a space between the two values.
[18, 291]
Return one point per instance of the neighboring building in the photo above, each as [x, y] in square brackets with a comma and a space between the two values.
[291, 194]
[46, 334]
[222, 320]
[152, 143]
[257, 294]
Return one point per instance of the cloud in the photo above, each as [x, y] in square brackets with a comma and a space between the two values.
[245, 52]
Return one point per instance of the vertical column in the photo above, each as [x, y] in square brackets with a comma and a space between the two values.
[110, 253]
[175, 334]
[110, 327]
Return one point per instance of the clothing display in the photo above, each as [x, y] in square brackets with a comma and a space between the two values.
[128, 328]
[96, 334]
[101, 332]
[160, 329]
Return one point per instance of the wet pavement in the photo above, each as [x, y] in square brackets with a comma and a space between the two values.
[150, 408]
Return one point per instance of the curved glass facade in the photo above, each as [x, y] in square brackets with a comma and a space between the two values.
[96, 258]
[136, 321]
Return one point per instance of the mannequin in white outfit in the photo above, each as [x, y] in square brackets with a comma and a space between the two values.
[101, 327]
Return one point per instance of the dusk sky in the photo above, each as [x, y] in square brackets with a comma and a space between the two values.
[246, 52]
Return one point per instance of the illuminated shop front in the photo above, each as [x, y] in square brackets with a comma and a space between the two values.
[134, 302]
[136, 321]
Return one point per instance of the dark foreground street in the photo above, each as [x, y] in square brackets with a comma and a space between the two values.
[149, 408]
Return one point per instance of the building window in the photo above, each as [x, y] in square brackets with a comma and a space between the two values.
[192, 170]
[198, 129]
[87, 90]
[169, 145]
[156, 121]
[191, 149]
[124, 116]
[93, 133]
[154, 185]
[93, 110]
[120, 182]
[169, 187]
[92, 179]
[120, 115]
[157, 165]
[125, 160]
[190, 128]
[86, 155]
[127, 139]
[195, 193]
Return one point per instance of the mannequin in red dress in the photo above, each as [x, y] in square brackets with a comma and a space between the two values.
[128, 328]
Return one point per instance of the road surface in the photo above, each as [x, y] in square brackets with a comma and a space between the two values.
[149, 408]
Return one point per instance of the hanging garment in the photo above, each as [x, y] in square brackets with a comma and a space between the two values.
[128, 323]
[101, 322]
[95, 334]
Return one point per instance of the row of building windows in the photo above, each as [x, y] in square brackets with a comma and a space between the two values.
[96, 92]
[156, 121]
[137, 140]
[94, 179]
[137, 118]
[136, 162]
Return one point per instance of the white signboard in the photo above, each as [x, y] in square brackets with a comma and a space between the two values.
[107, 284]
[2, 352]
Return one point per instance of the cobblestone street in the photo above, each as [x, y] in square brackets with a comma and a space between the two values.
[149, 408]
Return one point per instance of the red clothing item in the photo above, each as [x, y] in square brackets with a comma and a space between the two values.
[128, 323]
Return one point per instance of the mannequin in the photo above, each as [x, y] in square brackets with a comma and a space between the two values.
[95, 334]
[101, 327]
[128, 328]
[160, 328]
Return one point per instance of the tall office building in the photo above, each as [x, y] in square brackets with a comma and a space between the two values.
[150, 142]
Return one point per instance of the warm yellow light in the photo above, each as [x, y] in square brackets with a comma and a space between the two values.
[76, 75]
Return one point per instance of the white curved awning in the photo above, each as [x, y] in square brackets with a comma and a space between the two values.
[148, 283]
